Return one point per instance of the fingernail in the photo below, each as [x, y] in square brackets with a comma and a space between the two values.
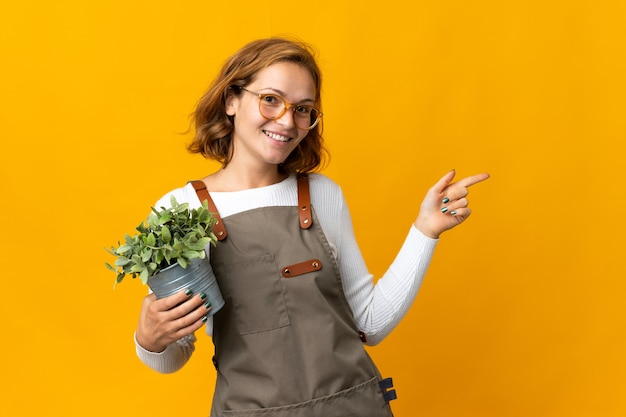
[203, 296]
[208, 304]
[443, 210]
[188, 293]
[453, 213]
[445, 200]
[204, 319]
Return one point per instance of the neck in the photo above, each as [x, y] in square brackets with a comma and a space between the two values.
[233, 179]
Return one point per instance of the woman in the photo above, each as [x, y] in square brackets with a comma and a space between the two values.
[300, 302]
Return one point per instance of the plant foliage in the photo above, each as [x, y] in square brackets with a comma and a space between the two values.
[167, 236]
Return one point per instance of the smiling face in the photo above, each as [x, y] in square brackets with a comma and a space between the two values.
[260, 143]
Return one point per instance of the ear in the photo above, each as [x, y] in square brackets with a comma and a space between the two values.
[232, 102]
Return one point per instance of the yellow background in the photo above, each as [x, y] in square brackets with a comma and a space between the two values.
[522, 311]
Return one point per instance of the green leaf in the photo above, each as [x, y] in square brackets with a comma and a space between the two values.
[147, 254]
[191, 254]
[164, 218]
[203, 216]
[158, 256]
[197, 246]
[144, 276]
[166, 235]
[121, 261]
[124, 249]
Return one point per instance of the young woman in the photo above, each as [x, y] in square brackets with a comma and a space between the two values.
[300, 301]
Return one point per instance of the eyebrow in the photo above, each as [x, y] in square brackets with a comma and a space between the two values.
[282, 94]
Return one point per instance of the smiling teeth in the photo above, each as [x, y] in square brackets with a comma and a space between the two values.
[277, 137]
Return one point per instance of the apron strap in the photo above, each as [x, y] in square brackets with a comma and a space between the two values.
[304, 201]
[304, 204]
[203, 194]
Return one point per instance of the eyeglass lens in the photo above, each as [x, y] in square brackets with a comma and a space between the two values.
[273, 107]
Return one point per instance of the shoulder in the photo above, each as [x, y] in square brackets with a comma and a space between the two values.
[326, 195]
[323, 185]
[185, 194]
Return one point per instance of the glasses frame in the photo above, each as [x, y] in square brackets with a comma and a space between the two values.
[286, 106]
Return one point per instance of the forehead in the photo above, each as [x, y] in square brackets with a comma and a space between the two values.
[289, 78]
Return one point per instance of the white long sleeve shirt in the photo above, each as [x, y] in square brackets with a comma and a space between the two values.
[377, 306]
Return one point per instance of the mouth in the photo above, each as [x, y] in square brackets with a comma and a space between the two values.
[276, 136]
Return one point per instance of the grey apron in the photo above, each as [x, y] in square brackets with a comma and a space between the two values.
[286, 343]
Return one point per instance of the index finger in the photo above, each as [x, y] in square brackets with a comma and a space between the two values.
[474, 179]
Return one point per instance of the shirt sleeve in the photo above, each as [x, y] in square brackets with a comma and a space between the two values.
[174, 357]
[378, 306]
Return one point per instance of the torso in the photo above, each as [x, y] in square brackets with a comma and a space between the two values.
[286, 343]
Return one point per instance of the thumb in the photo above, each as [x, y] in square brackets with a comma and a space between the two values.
[441, 185]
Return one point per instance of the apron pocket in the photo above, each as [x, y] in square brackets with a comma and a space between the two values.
[362, 400]
[257, 294]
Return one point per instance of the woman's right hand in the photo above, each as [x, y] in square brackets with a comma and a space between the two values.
[164, 321]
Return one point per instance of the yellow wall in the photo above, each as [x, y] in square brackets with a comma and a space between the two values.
[522, 311]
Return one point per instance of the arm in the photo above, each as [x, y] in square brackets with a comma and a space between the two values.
[379, 307]
[164, 339]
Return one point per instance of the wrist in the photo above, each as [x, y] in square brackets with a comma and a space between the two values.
[426, 231]
[148, 347]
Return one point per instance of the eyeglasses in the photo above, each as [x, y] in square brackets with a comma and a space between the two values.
[273, 106]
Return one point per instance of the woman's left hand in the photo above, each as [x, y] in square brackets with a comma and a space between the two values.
[446, 204]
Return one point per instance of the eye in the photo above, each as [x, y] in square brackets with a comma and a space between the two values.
[270, 100]
[302, 110]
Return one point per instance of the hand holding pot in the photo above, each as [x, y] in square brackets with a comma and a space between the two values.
[163, 321]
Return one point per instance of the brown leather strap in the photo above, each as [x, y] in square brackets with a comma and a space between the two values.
[304, 201]
[301, 268]
[203, 194]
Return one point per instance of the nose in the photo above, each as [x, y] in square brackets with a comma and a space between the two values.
[287, 119]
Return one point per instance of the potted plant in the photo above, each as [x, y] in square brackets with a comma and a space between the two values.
[168, 252]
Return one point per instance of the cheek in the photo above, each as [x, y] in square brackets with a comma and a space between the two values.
[301, 137]
[248, 119]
